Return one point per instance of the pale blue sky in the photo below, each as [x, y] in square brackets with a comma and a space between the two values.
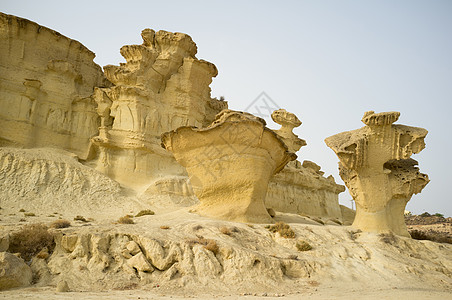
[326, 61]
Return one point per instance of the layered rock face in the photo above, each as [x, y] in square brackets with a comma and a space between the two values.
[161, 87]
[52, 95]
[375, 165]
[301, 188]
[46, 83]
[230, 164]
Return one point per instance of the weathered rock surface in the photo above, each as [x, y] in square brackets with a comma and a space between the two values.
[297, 189]
[248, 259]
[46, 82]
[301, 188]
[161, 87]
[288, 122]
[230, 164]
[14, 272]
[375, 165]
[46, 180]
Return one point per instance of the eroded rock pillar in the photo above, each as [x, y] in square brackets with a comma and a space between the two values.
[230, 164]
[375, 165]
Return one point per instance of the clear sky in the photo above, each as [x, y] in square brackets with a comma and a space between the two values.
[326, 61]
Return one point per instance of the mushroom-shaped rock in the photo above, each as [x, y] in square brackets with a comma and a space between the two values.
[375, 165]
[230, 164]
[288, 122]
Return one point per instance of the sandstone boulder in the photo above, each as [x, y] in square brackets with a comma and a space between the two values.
[14, 272]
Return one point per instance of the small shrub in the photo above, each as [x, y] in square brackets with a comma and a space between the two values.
[146, 212]
[164, 227]
[30, 214]
[60, 224]
[22, 220]
[439, 215]
[283, 229]
[225, 230]
[80, 218]
[51, 216]
[21, 210]
[212, 246]
[197, 227]
[303, 246]
[127, 219]
[425, 214]
[30, 240]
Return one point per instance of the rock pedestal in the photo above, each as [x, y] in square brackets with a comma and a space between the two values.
[375, 165]
[301, 188]
[230, 164]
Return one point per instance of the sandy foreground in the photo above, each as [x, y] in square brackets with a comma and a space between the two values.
[320, 293]
[177, 254]
[342, 264]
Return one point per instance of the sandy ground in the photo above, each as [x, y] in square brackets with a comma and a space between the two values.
[250, 263]
[365, 266]
[320, 293]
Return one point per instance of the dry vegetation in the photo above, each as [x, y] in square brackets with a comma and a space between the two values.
[164, 227]
[60, 224]
[30, 240]
[127, 219]
[283, 229]
[225, 230]
[208, 244]
[80, 218]
[145, 212]
[303, 246]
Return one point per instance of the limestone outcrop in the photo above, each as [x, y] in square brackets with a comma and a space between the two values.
[230, 164]
[161, 87]
[301, 187]
[46, 82]
[375, 165]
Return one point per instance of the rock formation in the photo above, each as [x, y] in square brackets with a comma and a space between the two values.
[161, 87]
[46, 84]
[14, 272]
[375, 165]
[301, 188]
[53, 95]
[288, 122]
[230, 164]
